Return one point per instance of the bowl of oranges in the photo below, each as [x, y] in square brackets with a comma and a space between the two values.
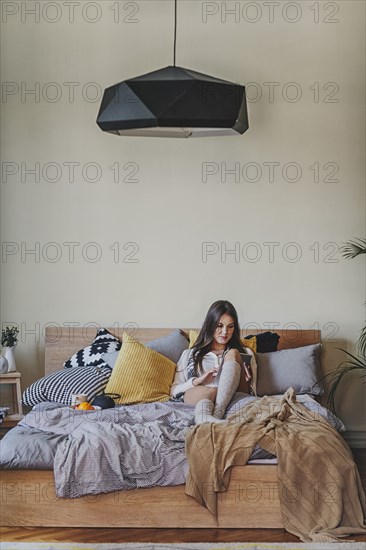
[85, 406]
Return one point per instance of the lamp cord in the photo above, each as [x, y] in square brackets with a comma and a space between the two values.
[175, 29]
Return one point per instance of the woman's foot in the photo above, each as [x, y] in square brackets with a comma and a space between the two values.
[203, 412]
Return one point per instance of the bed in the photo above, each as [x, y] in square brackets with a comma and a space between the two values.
[251, 501]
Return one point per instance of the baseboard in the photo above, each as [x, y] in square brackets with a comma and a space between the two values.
[356, 437]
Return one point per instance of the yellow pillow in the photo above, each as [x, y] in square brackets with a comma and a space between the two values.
[247, 343]
[193, 335]
[140, 375]
[250, 343]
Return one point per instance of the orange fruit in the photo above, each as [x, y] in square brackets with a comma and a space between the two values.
[84, 406]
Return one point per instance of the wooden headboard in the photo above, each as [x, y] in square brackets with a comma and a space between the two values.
[61, 343]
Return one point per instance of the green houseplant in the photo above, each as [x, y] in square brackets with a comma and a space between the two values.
[9, 339]
[353, 362]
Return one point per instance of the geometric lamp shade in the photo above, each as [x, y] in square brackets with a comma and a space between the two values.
[174, 102]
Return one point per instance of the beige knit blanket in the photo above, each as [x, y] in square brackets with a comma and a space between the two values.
[319, 485]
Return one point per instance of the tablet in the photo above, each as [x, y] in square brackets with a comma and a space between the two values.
[246, 358]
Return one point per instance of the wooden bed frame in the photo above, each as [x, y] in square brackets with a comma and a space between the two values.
[28, 496]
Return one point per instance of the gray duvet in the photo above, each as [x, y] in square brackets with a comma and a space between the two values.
[126, 447]
[94, 452]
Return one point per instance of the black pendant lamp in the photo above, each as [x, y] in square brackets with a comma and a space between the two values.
[174, 102]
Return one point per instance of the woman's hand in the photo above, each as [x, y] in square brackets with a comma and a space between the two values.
[206, 378]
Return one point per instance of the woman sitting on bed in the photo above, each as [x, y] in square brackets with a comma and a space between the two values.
[208, 374]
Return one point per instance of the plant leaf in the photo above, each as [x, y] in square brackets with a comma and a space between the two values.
[361, 343]
[353, 248]
[336, 376]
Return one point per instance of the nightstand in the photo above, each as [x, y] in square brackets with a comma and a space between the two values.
[11, 420]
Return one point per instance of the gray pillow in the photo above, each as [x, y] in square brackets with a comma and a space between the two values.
[171, 346]
[298, 368]
[110, 358]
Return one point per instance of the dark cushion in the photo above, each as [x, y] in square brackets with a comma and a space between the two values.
[266, 341]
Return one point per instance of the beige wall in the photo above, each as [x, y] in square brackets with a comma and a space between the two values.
[178, 201]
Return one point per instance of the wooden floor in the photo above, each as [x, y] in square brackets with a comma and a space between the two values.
[164, 535]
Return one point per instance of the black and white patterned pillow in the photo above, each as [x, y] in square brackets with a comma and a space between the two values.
[104, 342]
[61, 385]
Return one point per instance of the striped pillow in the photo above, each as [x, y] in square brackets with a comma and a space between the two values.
[140, 375]
[59, 386]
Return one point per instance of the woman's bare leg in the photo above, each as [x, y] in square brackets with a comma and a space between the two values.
[204, 399]
[195, 394]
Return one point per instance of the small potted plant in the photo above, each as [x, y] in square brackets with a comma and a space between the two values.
[9, 339]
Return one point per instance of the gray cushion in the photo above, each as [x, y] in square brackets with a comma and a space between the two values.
[110, 358]
[298, 368]
[171, 346]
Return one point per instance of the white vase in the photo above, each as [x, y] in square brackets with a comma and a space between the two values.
[9, 356]
[3, 365]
